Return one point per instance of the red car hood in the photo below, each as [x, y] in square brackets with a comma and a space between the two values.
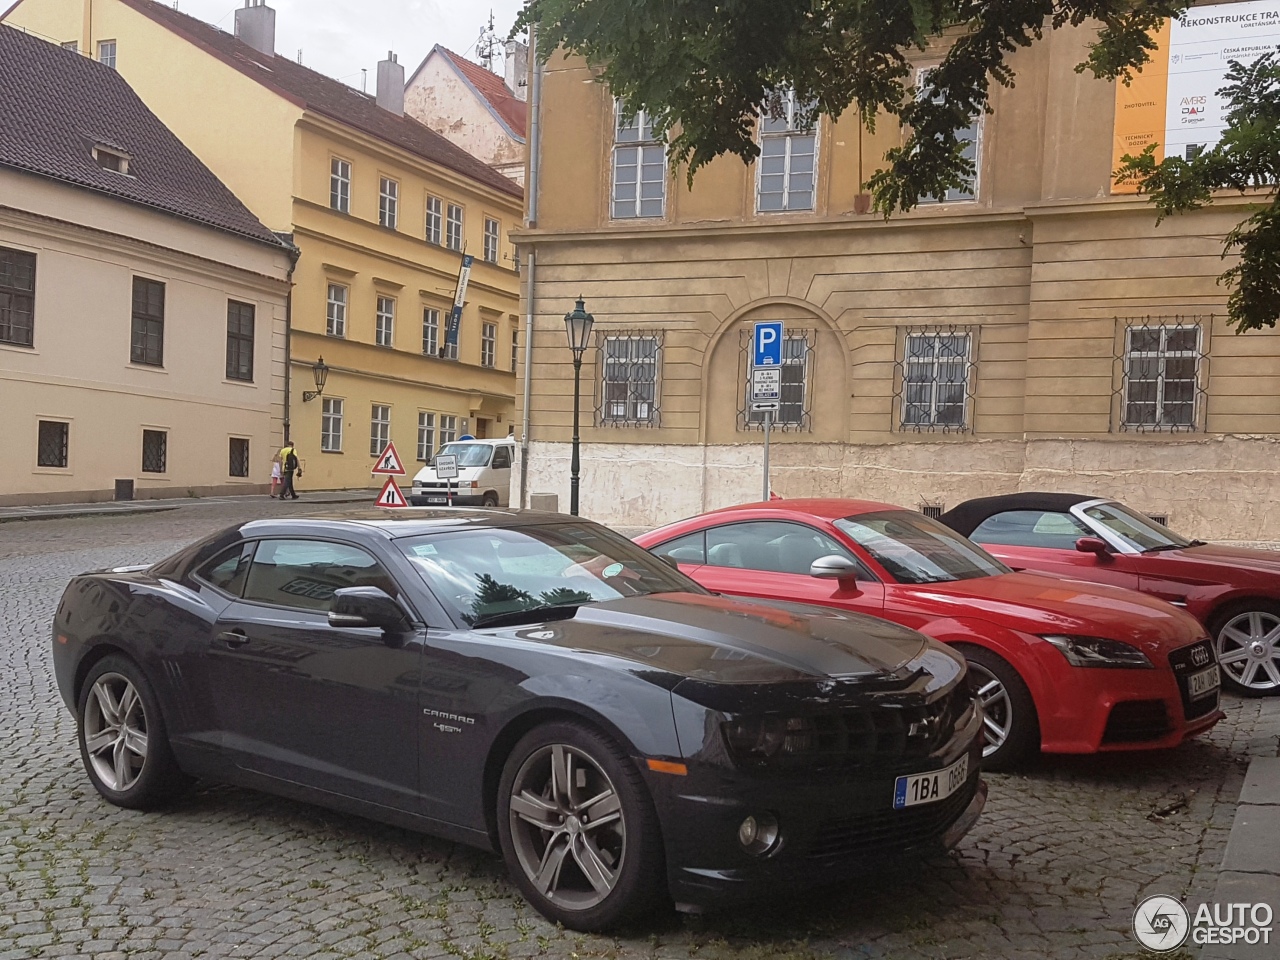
[1232, 558]
[1043, 603]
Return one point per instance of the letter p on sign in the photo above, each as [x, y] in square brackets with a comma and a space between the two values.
[766, 340]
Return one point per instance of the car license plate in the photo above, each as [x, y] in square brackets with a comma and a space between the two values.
[928, 787]
[1204, 683]
[437, 499]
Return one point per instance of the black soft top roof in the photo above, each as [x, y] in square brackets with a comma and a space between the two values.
[966, 518]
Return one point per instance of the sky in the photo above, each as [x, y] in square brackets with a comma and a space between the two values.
[339, 37]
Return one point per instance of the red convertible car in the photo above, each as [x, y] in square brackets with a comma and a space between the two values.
[1064, 666]
[1235, 593]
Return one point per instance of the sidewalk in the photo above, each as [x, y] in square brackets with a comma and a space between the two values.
[58, 511]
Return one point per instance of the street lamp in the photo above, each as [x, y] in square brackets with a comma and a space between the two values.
[321, 373]
[578, 326]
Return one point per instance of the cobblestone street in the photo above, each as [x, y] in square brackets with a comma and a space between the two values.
[1053, 870]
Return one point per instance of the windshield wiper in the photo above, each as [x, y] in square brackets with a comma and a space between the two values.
[1168, 546]
[508, 618]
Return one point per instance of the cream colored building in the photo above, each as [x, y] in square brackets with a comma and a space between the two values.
[1037, 332]
[142, 307]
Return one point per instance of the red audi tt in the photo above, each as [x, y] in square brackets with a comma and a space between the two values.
[1063, 666]
[1235, 593]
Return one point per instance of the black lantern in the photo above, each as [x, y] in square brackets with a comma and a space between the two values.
[577, 325]
[321, 373]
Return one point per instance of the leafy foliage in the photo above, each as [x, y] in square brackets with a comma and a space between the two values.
[1247, 157]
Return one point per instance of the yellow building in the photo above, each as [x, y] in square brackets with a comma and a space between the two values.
[381, 208]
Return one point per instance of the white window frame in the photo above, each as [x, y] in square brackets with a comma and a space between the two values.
[454, 226]
[336, 310]
[435, 220]
[331, 414]
[426, 435]
[430, 332]
[935, 364]
[515, 349]
[1161, 354]
[388, 202]
[384, 323]
[977, 127]
[339, 185]
[629, 411]
[645, 148]
[107, 53]
[492, 239]
[788, 136]
[488, 344]
[379, 427]
[448, 428]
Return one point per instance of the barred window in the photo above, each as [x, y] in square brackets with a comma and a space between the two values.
[331, 426]
[388, 202]
[426, 435]
[788, 151]
[794, 411]
[240, 318]
[630, 370]
[639, 168]
[448, 429]
[431, 332]
[453, 228]
[971, 137]
[155, 451]
[336, 311]
[1162, 376]
[340, 185]
[17, 297]
[238, 457]
[147, 342]
[385, 322]
[936, 374]
[52, 443]
[379, 429]
[488, 344]
[435, 220]
[491, 235]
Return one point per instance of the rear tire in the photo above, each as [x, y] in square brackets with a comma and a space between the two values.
[1246, 641]
[1012, 729]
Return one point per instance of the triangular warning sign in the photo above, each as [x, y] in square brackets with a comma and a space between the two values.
[391, 495]
[388, 463]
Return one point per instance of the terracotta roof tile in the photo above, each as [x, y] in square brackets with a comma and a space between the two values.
[494, 89]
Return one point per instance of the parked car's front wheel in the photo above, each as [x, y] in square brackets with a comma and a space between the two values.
[1011, 729]
[578, 829]
[1247, 642]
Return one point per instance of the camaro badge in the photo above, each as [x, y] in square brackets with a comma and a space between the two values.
[455, 717]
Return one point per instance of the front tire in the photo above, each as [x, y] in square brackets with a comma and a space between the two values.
[578, 829]
[123, 740]
[1011, 727]
[1246, 639]
[490, 500]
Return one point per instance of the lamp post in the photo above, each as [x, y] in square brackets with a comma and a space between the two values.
[577, 325]
[321, 374]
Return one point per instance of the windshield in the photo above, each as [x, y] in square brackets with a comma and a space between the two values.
[469, 454]
[486, 573]
[1139, 532]
[915, 549]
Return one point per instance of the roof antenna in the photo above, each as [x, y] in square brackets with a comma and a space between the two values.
[299, 54]
[364, 80]
[487, 46]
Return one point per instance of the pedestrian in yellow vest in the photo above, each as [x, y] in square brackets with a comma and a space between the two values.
[289, 460]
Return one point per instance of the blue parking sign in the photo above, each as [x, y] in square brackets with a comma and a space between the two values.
[766, 341]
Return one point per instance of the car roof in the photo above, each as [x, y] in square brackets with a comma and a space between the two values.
[825, 508]
[968, 516]
[404, 522]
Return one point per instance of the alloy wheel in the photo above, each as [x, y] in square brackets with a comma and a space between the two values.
[567, 826]
[997, 708]
[115, 732]
[1248, 648]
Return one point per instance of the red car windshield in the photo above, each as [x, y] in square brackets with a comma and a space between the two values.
[1141, 533]
[915, 549]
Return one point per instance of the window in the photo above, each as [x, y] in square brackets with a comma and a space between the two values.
[1031, 528]
[491, 229]
[1162, 376]
[239, 341]
[331, 426]
[772, 545]
[227, 571]
[17, 297]
[914, 549]
[488, 344]
[305, 574]
[448, 429]
[451, 351]
[935, 389]
[435, 220]
[379, 429]
[385, 322]
[72, 45]
[691, 548]
[639, 168]
[431, 332]
[147, 341]
[336, 316]
[793, 411]
[238, 457]
[971, 137]
[388, 201]
[51, 443]
[426, 436]
[788, 149]
[515, 350]
[107, 53]
[155, 451]
[501, 458]
[340, 185]
[629, 368]
[110, 159]
[453, 228]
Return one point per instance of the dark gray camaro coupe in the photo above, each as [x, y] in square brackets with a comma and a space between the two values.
[529, 683]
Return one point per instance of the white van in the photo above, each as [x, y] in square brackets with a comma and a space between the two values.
[484, 475]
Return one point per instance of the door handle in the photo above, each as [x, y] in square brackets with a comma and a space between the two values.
[234, 638]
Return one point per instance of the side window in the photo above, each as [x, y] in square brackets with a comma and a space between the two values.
[227, 570]
[771, 545]
[305, 573]
[691, 548]
[1031, 528]
[501, 459]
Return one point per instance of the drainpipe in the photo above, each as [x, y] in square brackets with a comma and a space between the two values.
[531, 189]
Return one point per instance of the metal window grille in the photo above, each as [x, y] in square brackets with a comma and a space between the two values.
[426, 436]
[639, 168]
[630, 365]
[431, 332]
[51, 443]
[385, 323]
[795, 412]
[491, 234]
[379, 428]
[488, 344]
[435, 220]
[971, 136]
[935, 379]
[331, 426]
[336, 311]
[155, 451]
[240, 317]
[388, 202]
[107, 53]
[1163, 374]
[147, 341]
[448, 429]
[785, 172]
[239, 457]
[1160, 518]
[340, 185]
[453, 228]
[17, 297]
[933, 510]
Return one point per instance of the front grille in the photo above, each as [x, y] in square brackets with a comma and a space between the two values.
[1136, 721]
[890, 829]
[1185, 662]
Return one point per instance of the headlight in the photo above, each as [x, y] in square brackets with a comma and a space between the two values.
[769, 737]
[1099, 652]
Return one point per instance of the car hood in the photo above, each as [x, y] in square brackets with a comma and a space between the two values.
[726, 640]
[1044, 603]
[1232, 558]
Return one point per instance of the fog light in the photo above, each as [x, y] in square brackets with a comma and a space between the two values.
[758, 834]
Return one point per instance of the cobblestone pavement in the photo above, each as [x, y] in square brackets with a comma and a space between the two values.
[1054, 869]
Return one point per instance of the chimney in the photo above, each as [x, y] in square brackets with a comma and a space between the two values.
[256, 26]
[391, 85]
[515, 68]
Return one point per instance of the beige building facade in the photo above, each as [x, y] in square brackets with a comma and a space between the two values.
[1034, 332]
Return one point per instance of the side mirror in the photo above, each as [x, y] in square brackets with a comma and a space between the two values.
[366, 607]
[1094, 545]
[834, 568]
